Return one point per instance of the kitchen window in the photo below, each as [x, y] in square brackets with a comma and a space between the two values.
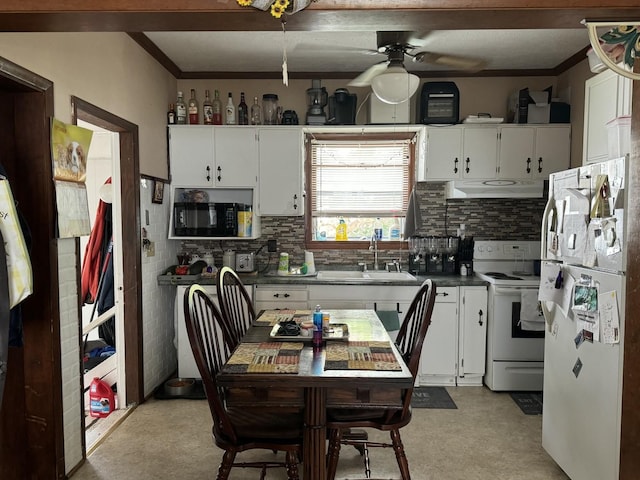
[362, 181]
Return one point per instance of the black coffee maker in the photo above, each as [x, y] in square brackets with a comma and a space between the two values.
[342, 107]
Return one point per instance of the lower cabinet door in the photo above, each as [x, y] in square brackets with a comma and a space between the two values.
[438, 362]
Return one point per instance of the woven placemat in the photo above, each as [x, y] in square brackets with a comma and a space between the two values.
[360, 356]
[265, 357]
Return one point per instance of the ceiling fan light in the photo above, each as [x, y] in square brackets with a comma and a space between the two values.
[395, 85]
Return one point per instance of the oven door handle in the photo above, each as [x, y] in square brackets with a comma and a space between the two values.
[511, 290]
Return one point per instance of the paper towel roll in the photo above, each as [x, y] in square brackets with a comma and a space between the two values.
[308, 259]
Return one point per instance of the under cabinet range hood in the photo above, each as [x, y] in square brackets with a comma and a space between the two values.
[461, 189]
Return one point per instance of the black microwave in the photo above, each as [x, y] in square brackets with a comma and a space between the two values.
[205, 219]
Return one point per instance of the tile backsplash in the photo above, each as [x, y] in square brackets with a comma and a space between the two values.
[484, 219]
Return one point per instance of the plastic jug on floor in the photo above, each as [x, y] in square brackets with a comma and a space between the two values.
[102, 399]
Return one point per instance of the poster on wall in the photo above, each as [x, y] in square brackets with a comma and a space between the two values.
[69, 148]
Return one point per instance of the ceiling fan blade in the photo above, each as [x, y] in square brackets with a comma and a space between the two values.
[453, 61]
[365, 78]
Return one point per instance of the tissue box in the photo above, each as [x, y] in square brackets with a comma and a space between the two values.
[527, 106]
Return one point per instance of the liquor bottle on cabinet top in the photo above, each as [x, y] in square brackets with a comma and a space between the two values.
[243, 111]
[207, 109]
[256, 112]
[181, 110]
[193, 109]
[230, 111]
[171, 115]
[216, 106]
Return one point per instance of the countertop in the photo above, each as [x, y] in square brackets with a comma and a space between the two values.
[270, 278]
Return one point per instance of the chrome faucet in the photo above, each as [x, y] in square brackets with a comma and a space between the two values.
[395, 265]
[373, 246]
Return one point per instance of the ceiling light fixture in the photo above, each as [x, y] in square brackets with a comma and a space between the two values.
[626, 35]
[395, 85]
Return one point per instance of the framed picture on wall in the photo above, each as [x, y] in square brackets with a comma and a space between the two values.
[158, 191]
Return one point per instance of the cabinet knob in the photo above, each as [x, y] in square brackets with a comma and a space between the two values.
[528, 165]
[480, 315]
[295, 201]
[467, 162]
[219, 173]
[455, 165]
[443, 294]
[539, 164]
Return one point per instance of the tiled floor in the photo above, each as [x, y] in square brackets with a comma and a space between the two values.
[486, 437]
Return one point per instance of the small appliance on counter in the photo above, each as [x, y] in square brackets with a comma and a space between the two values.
[316, 101]
[342, 107]
[192, 219]
[439, 103]
[245, 262]
[439, 255]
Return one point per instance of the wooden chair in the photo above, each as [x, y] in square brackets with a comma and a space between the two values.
[409, 342]
[236, 429]
[235, 304]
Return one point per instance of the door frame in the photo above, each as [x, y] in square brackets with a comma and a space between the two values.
[131, 241]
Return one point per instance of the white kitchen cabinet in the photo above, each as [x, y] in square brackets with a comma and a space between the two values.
[187, 367]
[607, 95]
[479, 152]
[444, 153]
[438, 361]
[236, 157]
[281, 156]
[271, 297]
[461, 151]
[472, 335]
[191, 155]
[337, 296]
[533, 152]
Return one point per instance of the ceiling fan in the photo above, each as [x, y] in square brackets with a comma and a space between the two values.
[390, 80]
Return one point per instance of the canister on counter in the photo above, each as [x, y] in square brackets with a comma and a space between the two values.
[283, 264]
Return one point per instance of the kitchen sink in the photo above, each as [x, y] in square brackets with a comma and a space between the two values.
[382, 275]
[369, 276]
[340, 275]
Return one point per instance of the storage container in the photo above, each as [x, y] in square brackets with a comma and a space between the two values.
[102, 399]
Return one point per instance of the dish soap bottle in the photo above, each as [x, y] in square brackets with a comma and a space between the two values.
[341, 231]
[377, 229]
[394, 231]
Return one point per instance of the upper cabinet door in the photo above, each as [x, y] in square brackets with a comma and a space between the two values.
[236, 153]
[552, 150]
[607, 95]
[191, 155]
[516, 152]
[444, 153]
[480, 152]
[281, 159]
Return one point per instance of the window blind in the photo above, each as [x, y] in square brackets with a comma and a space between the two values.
[360, 177]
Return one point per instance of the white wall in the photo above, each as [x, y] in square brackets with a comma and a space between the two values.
[112, 72]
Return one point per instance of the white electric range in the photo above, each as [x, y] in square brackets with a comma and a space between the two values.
[515, 349]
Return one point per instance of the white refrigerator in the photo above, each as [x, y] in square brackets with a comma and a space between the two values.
[582, 292]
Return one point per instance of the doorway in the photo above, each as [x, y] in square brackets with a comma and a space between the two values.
[123, 169]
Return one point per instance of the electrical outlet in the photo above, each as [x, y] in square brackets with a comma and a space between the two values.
[272, 245]
[151, 249]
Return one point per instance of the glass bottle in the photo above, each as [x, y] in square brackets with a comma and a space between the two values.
[181, 110]
[243, 111]
[207, 109]
[193, 109]
[171, 115]
[230, 111]
[256, 112]
[394, 231]
[217, 108]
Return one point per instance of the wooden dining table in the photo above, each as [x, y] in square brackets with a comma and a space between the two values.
[363, 369]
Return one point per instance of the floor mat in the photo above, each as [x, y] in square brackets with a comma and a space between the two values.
[197, 393]
[432, 397]
[529, 402]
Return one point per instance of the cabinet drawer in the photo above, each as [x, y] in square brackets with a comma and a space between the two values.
[364, 397]
[272, 397]
[446, 294]
[286, 293]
